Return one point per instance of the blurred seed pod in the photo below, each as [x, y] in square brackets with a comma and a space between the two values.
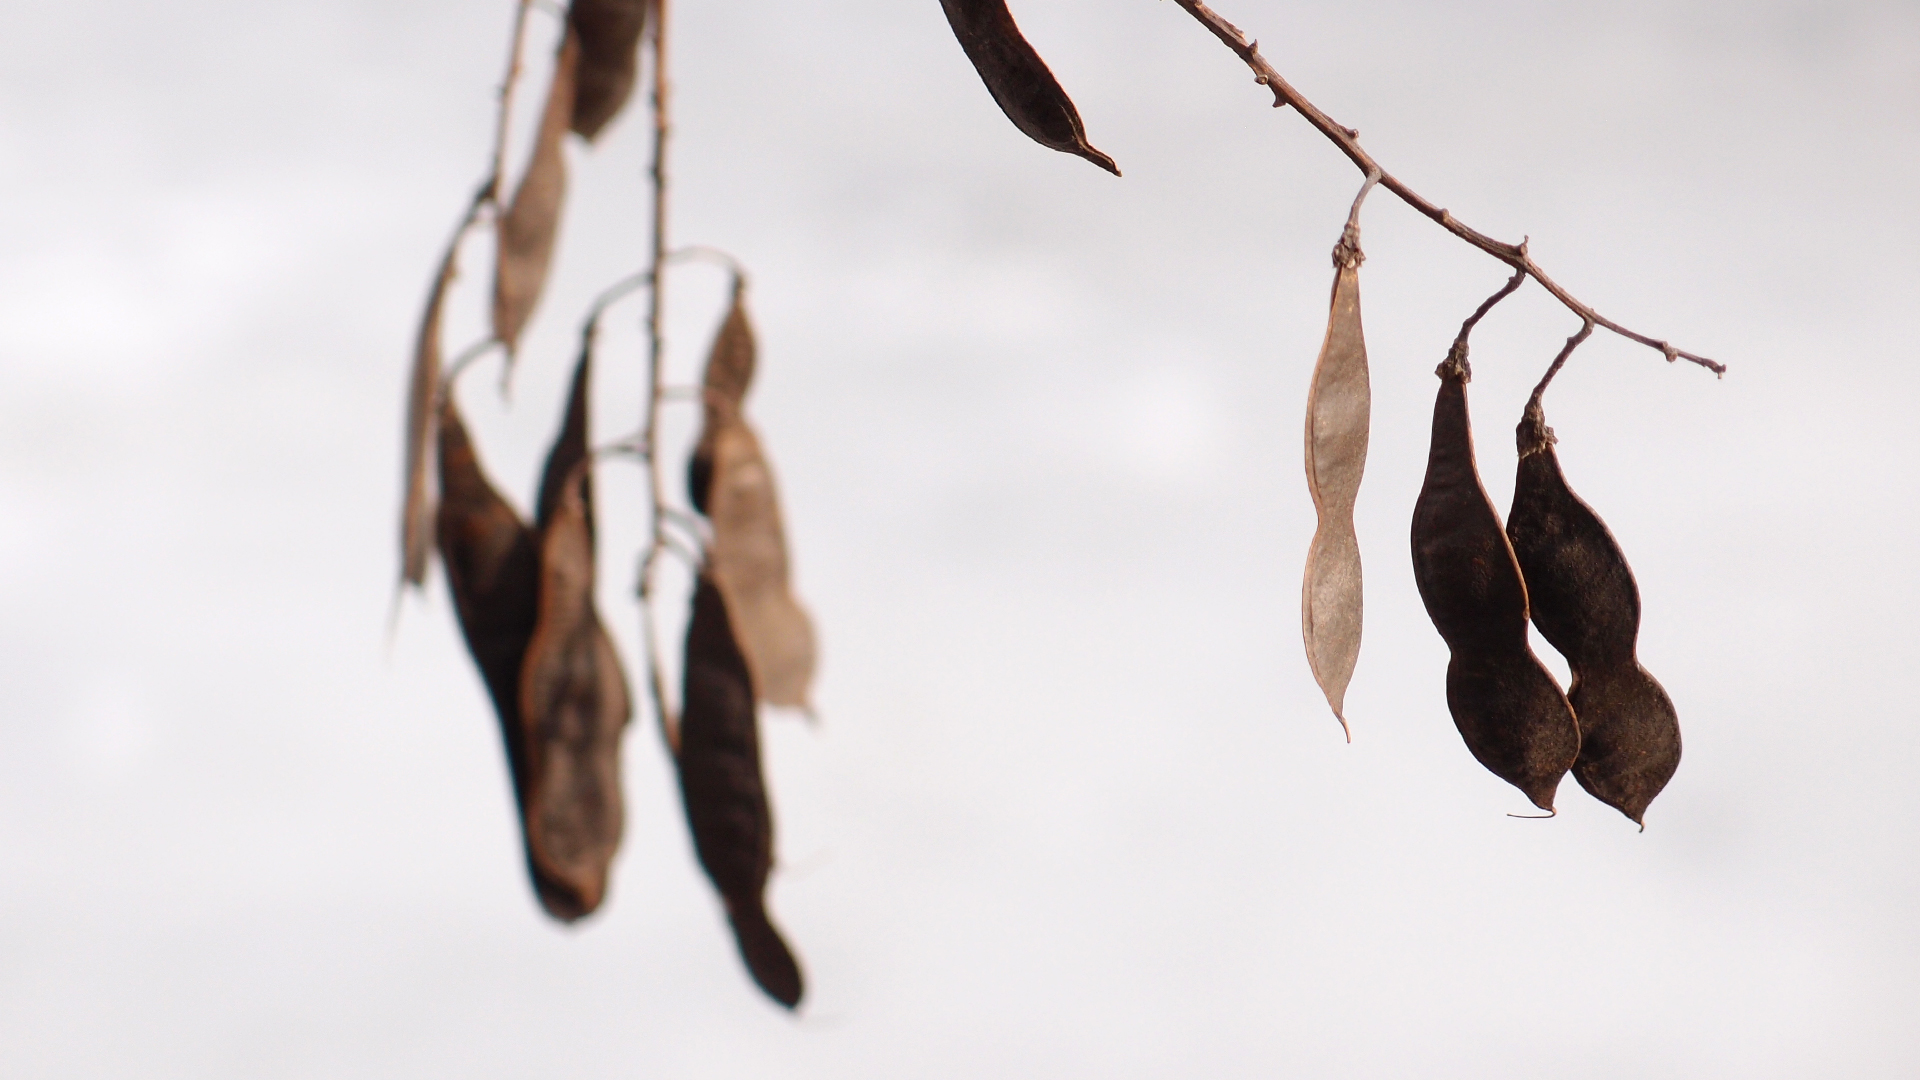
[573, 690]
[609, 33]
[531, 222]
[416, 513]
[493, 571]
[723, 790]
[749, 559]
[728, 374]
[574, 697]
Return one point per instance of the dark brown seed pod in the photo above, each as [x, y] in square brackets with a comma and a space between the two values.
[724, 794]
[574, 697]
[493, 571]
[1339, 407]
[729, 372]
[1586, 604]
[569, 447]
[1509, 710]
[609, 33]
[531, 222]
[1018, 79]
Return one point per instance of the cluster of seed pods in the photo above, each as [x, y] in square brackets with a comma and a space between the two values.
[524, 592]
[524, 598]
[1554, 563]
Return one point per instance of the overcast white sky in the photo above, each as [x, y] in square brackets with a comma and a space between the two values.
[1076, 807]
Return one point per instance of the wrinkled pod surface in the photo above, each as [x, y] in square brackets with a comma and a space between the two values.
[1507, 706]
[1585, 603]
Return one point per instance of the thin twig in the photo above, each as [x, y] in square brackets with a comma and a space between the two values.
[494, 182]
[1586, 329]
[704, 253]
[463, 360]
[1456, 361]
[657, 538]
[1348, 140]
[611, 295]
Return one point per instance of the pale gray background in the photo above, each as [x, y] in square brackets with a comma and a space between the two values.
[1076, 808]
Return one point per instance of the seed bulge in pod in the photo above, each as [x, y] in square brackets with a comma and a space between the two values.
[609, 33]
[531, 222]
[1586, 604]
[1507, 706]
[724, 794]
[493, 571]
[1339, 405]
[1018, 79]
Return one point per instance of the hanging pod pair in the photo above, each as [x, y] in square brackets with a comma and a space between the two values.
[748, 641]
[1554, 563]
[524, 598]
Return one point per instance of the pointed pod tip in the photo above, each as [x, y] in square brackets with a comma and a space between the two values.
[1098, 158]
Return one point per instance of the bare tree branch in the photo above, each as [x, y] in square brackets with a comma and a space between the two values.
[1348, 140]
[657, 538]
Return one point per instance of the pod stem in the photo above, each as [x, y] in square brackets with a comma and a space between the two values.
[1560, 361]
[1347, 254]
[1348, 140]
[657, 538]
[1455, 366]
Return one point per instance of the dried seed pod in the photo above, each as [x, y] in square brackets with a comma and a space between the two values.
[416, 514]
[569, 447]
[1018, 79]
[1585, 602]
[493, 571]
[573, 695]
[1509, 710]
[609, 33]
[724, 794]
[729, 372]
[1338, 411]
[749, 557]
[527, 229]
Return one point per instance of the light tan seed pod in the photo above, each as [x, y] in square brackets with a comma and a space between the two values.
[1338, 414]
[749, 557]
[575, 704]
[416, 512]
[729, 372]
[526, 231]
